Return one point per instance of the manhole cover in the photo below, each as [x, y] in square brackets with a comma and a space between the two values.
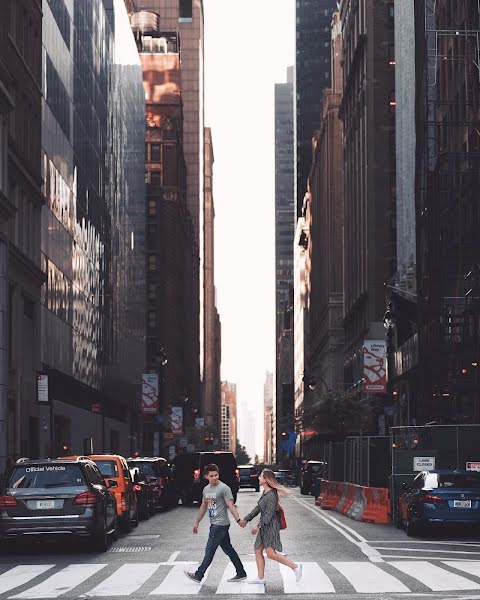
[117, 549]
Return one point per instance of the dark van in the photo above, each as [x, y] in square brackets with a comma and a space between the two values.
[187, 470]
[313, 471]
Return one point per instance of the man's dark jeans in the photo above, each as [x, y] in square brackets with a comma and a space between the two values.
[219, 536]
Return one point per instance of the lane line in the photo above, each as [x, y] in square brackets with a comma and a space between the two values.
[330, 517]
[20, 575]
[472, 568]
[410, 557]
[410, 541]
[425, 550]
[176, 583]
[127, 579]
[314, 580]
[172, 557]
[62, 582]
[368, 578]
[434, 577]
[373, 555]
[241, 587]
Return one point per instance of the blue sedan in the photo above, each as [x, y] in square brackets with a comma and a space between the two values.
[439, 498]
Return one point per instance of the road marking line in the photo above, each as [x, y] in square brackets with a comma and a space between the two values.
[126, 580]
[472, 568]
[314, 580]
[434, 577]
[330, 517]
[62, 582]
[425, 550]
[20, 575]
[410, 541]
[242, 587]
[368, 578]
[372, 554]
[441, 558]
[176, 583]
[172, 557]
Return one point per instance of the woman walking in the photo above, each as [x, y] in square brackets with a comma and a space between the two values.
[268, 529]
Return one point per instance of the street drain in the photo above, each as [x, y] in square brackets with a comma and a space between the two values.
[117, 549]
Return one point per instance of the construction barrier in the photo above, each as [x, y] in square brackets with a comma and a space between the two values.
[361, 503]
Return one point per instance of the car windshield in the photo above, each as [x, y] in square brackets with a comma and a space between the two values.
[225, 462]
[108, 468]
[246, 471]
[316, 468]
[459, 480]
[148, 468]
[46, 476]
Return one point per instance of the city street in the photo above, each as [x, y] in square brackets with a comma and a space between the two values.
[340, 557]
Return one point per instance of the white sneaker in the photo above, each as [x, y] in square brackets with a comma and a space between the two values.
[257, 580]
[298, 573]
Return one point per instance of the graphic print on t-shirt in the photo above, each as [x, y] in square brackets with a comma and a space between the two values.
[212, 504]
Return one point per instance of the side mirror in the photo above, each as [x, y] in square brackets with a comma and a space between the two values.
[152, 480]
[111, 483]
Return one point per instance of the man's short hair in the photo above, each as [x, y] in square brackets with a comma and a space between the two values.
[211, 468]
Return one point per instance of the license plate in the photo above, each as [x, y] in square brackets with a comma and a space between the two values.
[45, 504]
[462, 503]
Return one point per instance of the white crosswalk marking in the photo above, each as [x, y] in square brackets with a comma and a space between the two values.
[240, 587]
[434, 577]
[126, 580]
[472, 568]
[176, 583]
[367, 577]
[62, 582]
[314, 580]
[20, 575]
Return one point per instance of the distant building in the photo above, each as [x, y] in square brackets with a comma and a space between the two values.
[229, 416]
[268, 399]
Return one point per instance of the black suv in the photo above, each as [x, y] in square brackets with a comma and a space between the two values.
[312, 472]
[159, 477]
[249, 477]
[188, 473]
[41, 497]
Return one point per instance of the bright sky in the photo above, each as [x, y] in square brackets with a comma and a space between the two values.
[248, 46]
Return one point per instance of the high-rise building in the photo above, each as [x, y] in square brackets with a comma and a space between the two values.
[93, 152]
[368, 114]
[21, 201]
[268, 399]
[312, 76]
[229, 416]
[284, 221]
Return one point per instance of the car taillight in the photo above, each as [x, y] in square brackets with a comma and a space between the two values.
[196, 474]
[137, 488]
[430, 499]
[7, 501]
[237, 473]
[86, 498]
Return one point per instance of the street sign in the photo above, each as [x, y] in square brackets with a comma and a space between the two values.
[423, 463]
[42, 388]
[96, 408]
[472, 466]
[183, 442]
[191, 448]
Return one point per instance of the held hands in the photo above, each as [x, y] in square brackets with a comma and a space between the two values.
[242, 523]
[195, 527]
[255, 530]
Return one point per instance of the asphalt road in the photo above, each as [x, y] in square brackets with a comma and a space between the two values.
[341, 559]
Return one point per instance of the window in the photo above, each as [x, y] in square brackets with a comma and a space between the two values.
[152, 291]
[156, 178]
[152, 319]
[152, 208]
[185, 10]
[155, 153]
[152, 262]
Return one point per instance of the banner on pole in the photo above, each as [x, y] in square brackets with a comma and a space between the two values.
[374, 366]
[177, 419]
[149, 393]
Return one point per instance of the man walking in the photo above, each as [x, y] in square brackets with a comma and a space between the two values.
[217, 497]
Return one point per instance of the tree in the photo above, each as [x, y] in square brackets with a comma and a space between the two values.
[256, 459]
[242, 455]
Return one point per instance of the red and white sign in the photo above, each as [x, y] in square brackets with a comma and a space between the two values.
[375, 366]
[472, 466]
[149, 393]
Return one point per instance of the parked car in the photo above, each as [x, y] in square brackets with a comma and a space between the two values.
[249, 477]
[114, 467]
[311, 471]
[159, 476]
[188, 473]
[439, 498]
[285, 477]
[51, 497]
[144, 493]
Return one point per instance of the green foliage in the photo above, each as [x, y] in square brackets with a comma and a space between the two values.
[241, 454]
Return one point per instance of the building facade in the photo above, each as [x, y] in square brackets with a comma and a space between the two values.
[92, 147]
[312, 76]
[229, 416]
[21, 201]
[268, 399]
[368, 114]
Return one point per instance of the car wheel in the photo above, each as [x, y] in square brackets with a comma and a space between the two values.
[412, 529]
[135, 519]
[115, 529]
[127, 523]
[100, 539]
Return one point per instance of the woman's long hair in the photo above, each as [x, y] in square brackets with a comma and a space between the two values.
[272, 482]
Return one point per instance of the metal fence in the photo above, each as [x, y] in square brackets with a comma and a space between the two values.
[430, 447]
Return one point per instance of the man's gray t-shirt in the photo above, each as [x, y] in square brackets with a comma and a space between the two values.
[216, 497]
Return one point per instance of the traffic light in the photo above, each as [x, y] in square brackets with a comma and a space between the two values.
[284, 434]
[395, 392]
[464, 371]
[65, 448]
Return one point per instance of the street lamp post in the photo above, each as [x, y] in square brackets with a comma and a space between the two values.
[389, 320]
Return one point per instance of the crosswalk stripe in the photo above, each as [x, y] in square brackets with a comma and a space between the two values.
[367, 577]
[20, 575]
[472, 568]
[176, 583]
[314, 580]
[435, 578]
[126, 580]
[62, 582]
[240, 587]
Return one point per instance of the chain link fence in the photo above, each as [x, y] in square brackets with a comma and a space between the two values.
[430, 447]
